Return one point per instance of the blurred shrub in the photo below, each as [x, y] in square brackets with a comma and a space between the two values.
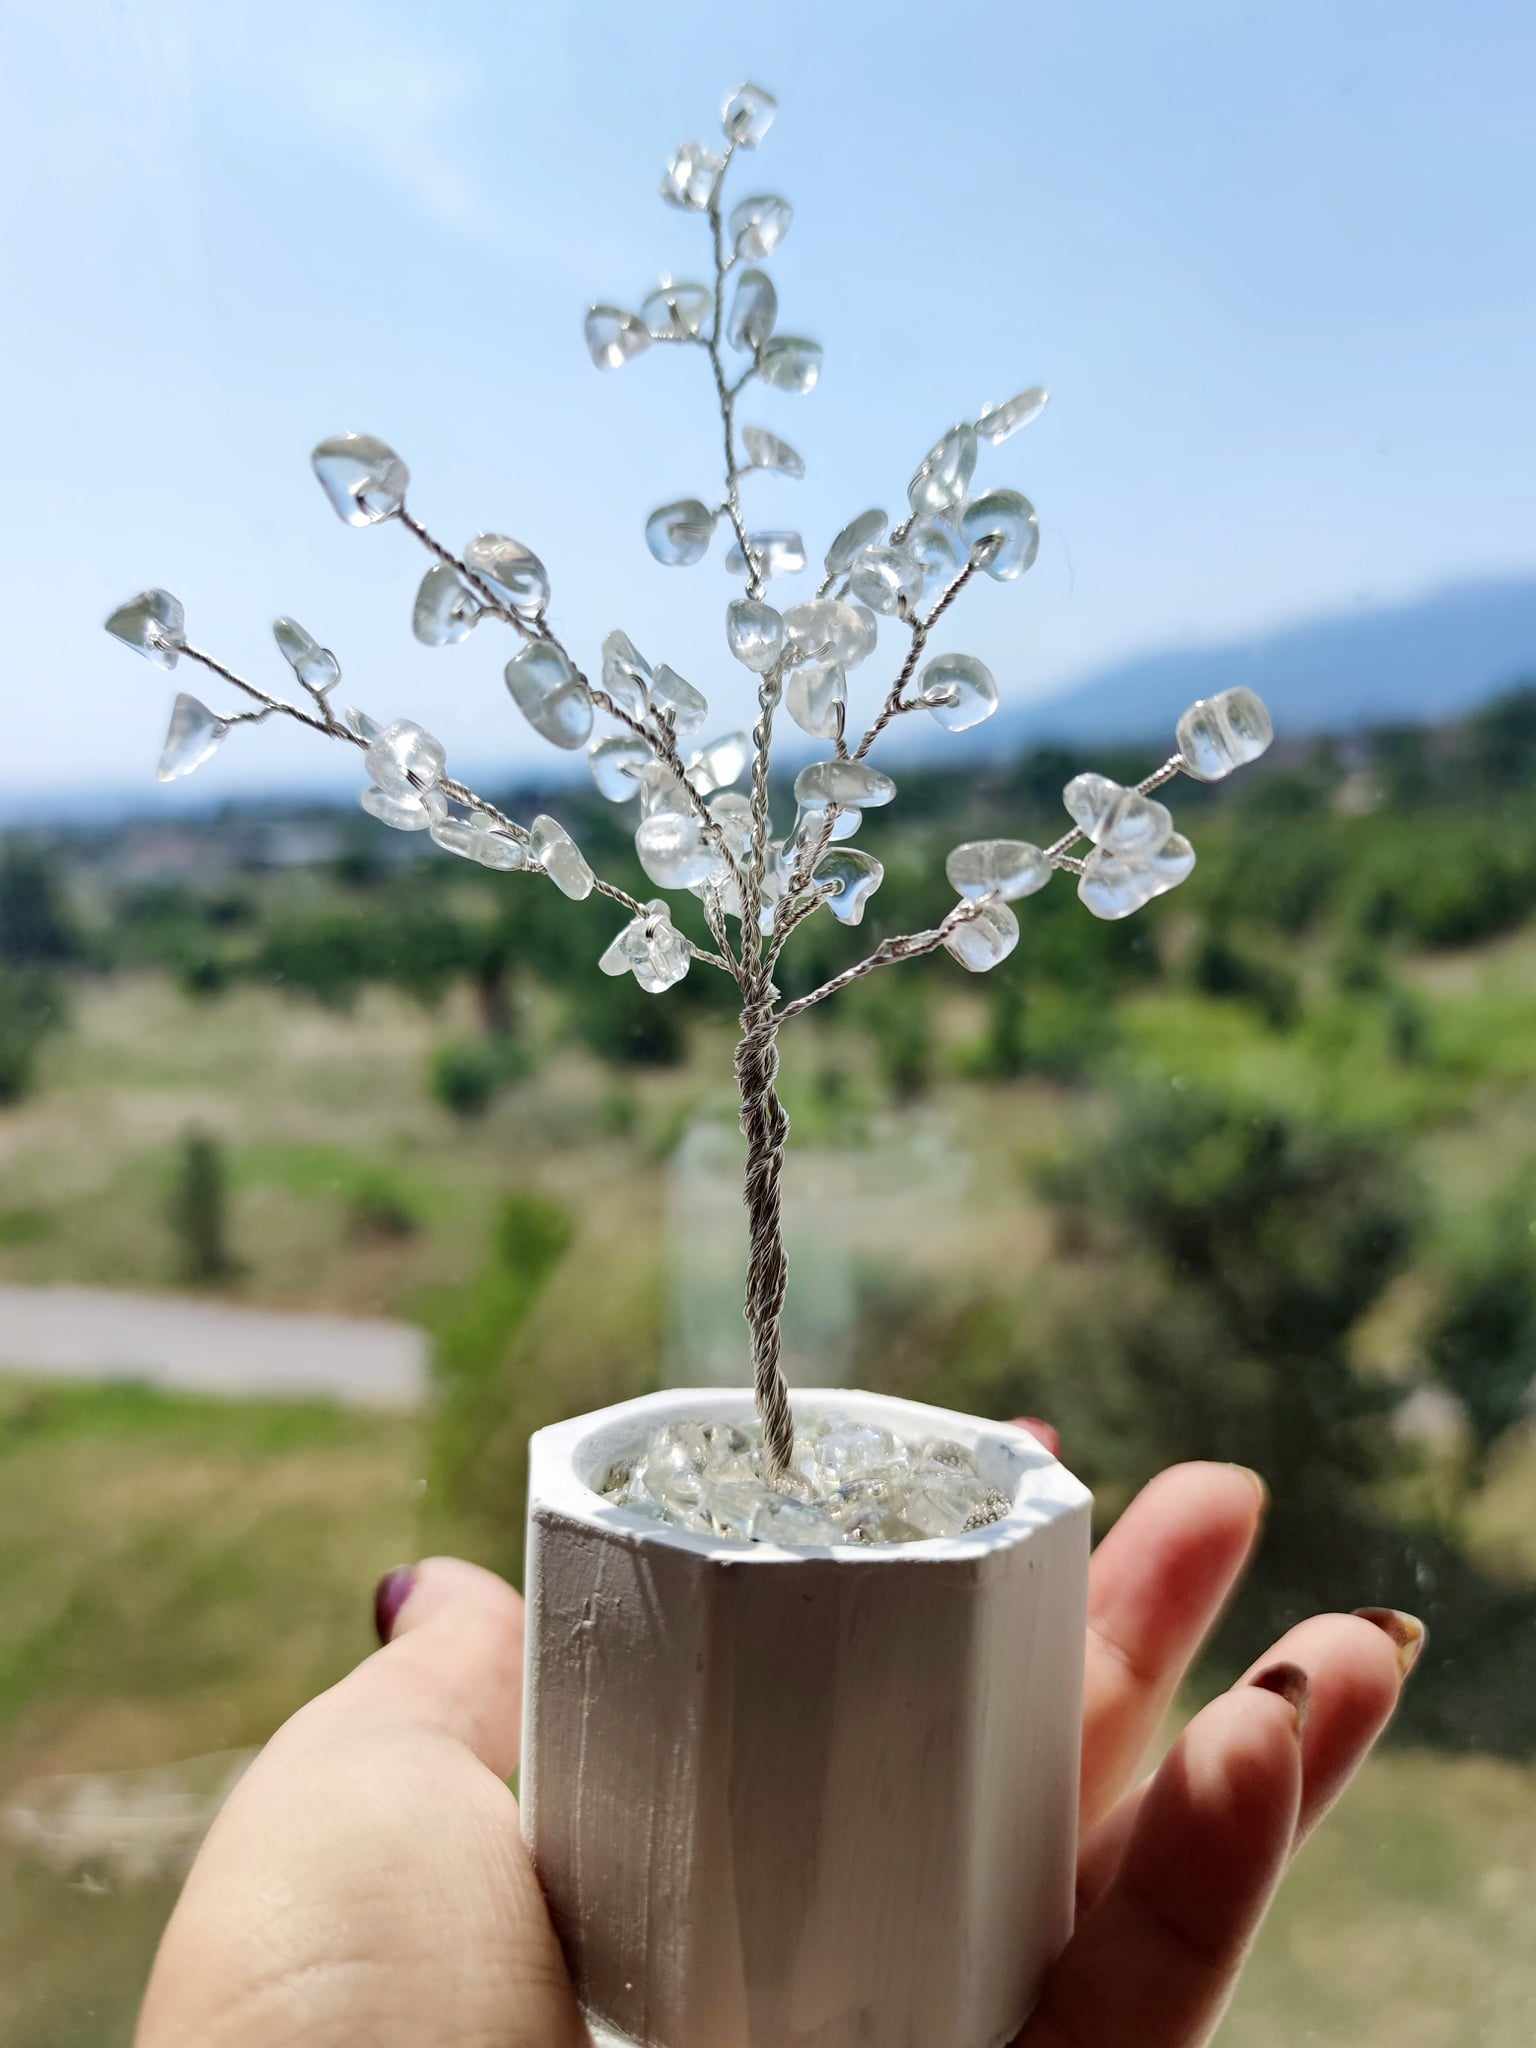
[468, 1074]
[1220, 967]
[378, 1207]
[198, 1211]
[615, 1018]
[1481, 1342]
[479, 1427]
[31, 1007]
[898, 1015]
[36, 929]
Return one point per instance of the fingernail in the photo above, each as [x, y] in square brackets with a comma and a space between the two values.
[389, 1596]
[1045, 1432]
[1408, 1633]
[1293, 1686]
[1260, 1486]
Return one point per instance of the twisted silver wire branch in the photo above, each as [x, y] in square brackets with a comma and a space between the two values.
[459, 792]
[656, 731]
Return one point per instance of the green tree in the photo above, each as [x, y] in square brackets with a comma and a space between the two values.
[31, 1007]
[1482, 1341]
[1261, 1242]
[199, 1211]
[36, 929]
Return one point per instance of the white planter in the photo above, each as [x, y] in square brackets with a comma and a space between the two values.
[811, 1799]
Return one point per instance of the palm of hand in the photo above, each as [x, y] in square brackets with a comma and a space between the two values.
[368, 1883]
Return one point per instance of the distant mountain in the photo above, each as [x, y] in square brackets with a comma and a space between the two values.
[1433, 658]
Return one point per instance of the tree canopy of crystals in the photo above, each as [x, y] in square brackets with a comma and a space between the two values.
[699, 780]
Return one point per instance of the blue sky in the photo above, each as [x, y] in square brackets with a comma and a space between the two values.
[1274, 263]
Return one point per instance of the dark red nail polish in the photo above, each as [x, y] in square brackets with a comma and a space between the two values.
[1292, 1684]
[1408, 1633]
[389, 1596]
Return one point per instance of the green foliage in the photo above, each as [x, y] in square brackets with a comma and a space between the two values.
[1262, 1241]
[1060, 1032]
[1482, 1340]
[198, 1211]
[480, 1423]
[31, 1008]
[615, 1018]
[465, 1077]
[36, 929]
[379, 1208]
[1220, 967]
[898, 1015]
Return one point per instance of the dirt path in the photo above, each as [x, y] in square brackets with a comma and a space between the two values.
[90, 1333]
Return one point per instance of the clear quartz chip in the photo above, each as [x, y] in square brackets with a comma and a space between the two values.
[445, 611]
[1117, 819]
[676, 311]
[554, 850]
[855, 537]
[747, 115]
[678, 535]
[661, 790]
[550, 694]
[732, 812]
[779, 553]
[843, 782]
[791, 363]
[721, 763]
[758, 225]
[830, 628]
[810, 818]
[691, 176]
[940, 554]
[688, 707]
[1113, 885]
[815, 696]
[754, 311]
[754, 632]
[998, 423]
[887, 579]
[626, 674]
[405, 813]
[514, 572]
[1009, 868]
[767, 451]
[985, 940]
[674, 851]
[362, 476]
[848, 879]
[614, 336]
[315, 666]
[1008, 516]
[615, 764]
[403, 760]
[794, 1524]
[491, 847]
[193, 734]
[152, 624]
[958, 691]
[944, 475]
[849, 1482]
[1220, 733]
[656, 954]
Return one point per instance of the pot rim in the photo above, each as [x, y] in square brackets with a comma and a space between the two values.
[566, 1457]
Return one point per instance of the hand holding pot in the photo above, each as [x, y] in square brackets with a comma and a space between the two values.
[368, 1882]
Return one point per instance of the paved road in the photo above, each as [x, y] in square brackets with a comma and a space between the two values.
[91, 1333]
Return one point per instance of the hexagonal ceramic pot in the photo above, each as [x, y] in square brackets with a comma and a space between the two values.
[803, 1799]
